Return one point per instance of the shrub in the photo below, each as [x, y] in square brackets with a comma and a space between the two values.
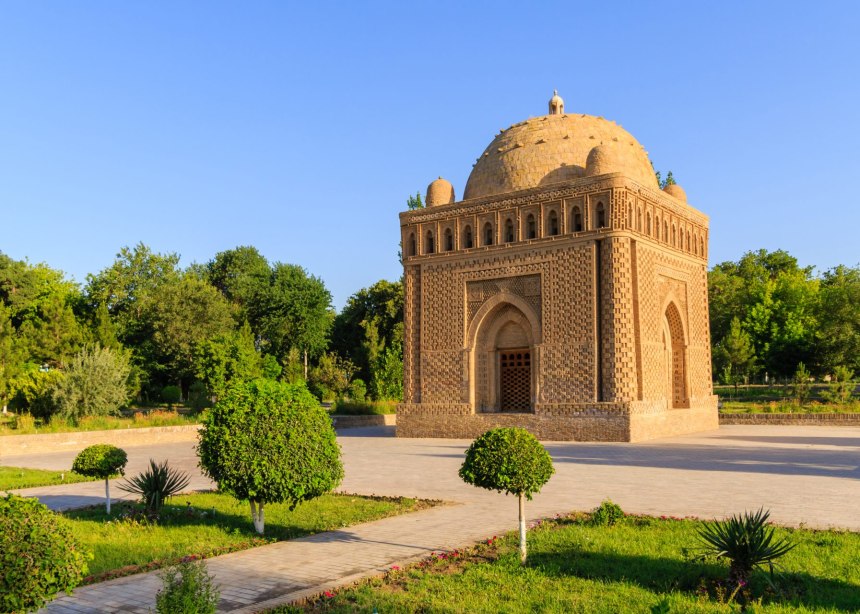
[171, 394]
[39, 555]
[364, 408]
[357, 390]
[155, 485]
[187, 588]
[747, 541]
[95, 384]
[510, 460]
[198, 396]
[801, 384]
[607, 514]
[841, 389]
[269, 442]
[101, 461]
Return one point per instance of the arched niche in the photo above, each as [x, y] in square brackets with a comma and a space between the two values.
[674, 357]
[502, 339]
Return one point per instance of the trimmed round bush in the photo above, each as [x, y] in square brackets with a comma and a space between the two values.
[39, 557]
[269, 442]
[101, 461]
[171, 394]
[509, 460]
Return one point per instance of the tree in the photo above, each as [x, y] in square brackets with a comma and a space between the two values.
[93, 384]
[294, 312]
[736, 353]
[228, 357]
[415, 202]
[242, 275]
[837, 336]
[841, 387]
[185, 313]
[370, 322]
[510, 460]
[332, 375]
[11, 356]
[387, 382]
[101, 461]
[269, 442]
[801, 385]
[40, 555]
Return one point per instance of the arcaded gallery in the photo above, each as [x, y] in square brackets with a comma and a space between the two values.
[566, 293]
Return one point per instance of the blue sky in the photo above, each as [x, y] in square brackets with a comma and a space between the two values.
[301, 129]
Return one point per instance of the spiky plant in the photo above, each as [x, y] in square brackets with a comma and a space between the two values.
[746, 540]
[156, 484]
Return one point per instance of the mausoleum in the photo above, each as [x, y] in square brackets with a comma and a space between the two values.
[566, 293]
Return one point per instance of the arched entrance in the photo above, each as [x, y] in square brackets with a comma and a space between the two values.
[674, 351]
[503, 359]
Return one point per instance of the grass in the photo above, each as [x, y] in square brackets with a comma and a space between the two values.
[364, 408]
[21, 477]
[24, 424]
[633, 566]
[788, 407]
[206, 524]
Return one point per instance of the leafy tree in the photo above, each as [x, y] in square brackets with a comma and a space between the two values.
[185, 313]
[230, 356]
[242, 275]
[295, 312]
[371, 322]
[510, 460]
[40, 555]
[25, 289]
[101, 461]
[837, 335]
[801, 384]
[387, 382]
[94, 384]
[331, 375]
[415, 202]
[841, 387]
[34, 391]
[53, 334]
[269, 442]
[736, 353]
[11, 356]
[127, 287]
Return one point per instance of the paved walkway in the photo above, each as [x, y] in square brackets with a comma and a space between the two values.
[805, 475]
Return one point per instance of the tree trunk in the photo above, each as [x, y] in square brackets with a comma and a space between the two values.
[258, 516]
[306, 365]
[522, 528]
[107, 495]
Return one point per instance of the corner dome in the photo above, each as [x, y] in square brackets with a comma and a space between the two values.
[439, 192]
[553, 148]
[676, 191]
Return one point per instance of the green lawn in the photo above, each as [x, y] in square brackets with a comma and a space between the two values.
[787, 407]
[205, 524]
[21, 477]
[576, 567]
[24, 424]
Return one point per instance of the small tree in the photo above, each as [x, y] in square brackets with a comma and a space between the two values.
[269, 442]
[800, 386]
[510, 460]
[737, 353]
[39, 554]
[95, 383]
[841, 389]
[101, 461]
[187, 588]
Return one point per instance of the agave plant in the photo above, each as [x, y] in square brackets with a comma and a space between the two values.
[746, 540]
[156, 484]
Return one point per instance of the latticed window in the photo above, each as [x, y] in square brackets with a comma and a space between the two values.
[410, 245]
[431, 244]
[509, 231]
[449, 240]
[601, 216]
[531, 227]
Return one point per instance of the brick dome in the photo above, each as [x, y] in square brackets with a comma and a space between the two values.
[553, 148]
[439, 192]
[676, 191]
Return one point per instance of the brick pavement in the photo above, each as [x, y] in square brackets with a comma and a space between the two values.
[804, 475]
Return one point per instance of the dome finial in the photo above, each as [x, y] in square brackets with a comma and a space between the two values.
[556, 104]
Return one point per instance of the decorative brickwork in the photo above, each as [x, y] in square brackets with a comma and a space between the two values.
[567, 253]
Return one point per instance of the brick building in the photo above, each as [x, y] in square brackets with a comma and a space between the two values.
[566, 293]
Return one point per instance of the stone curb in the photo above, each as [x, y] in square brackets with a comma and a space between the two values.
[791, 419]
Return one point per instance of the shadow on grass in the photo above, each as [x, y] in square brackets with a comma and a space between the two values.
[667, 575]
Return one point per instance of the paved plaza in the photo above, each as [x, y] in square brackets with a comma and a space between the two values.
[804, 475]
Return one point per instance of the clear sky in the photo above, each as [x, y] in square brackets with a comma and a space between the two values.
[301, 129]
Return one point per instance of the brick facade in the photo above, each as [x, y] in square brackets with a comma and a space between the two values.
[595, 286]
